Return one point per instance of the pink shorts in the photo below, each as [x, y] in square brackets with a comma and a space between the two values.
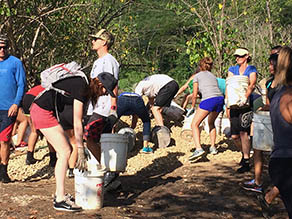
[42, 118]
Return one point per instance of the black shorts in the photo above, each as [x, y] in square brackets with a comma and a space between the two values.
[240, 120]
[26, 103]
[66, 117]
[166, 94]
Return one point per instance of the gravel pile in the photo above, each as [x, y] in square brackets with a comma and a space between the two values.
[180, 150]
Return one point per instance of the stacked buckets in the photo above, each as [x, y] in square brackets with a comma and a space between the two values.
[89, 189]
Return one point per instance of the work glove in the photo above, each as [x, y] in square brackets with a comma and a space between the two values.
[83, 156]
[190, 112]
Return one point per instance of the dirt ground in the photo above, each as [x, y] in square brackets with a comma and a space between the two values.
[159, 185]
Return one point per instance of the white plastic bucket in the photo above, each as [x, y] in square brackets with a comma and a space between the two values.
[131, 135]
[262, 131]
[236, 87]
[89, 185]
[89, 190]
[186, 132]
[222, 125]
[114, 149]
[161, 136]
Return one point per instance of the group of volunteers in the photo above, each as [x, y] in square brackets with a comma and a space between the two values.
[278, 102]
[59, 115]
[73, 112]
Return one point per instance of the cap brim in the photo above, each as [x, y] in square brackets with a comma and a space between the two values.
[110, 92]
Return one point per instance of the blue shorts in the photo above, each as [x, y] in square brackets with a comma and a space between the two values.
[213, 104]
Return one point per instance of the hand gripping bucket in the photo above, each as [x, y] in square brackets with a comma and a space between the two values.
[89, 185]
[236, 87]
[262, 131]
[114, 149]
[131, 134]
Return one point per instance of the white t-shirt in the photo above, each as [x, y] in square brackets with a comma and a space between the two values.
[151, 85]
[109, 64]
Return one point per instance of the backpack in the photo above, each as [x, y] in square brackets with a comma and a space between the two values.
[56, 73]
[59, 72]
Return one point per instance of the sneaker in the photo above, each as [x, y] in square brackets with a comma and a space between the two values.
[252, 186]
[213, 150]
[66, 205]
[67, 196]
[21, 146]
[147, 150]
[243, 169]
[197, 153]
[264, 205]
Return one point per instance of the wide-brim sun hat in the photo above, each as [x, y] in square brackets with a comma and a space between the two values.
[241, 52]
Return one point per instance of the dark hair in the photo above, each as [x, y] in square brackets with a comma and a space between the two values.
[276, 49]
[206, 64]
[273, 59]
[95, 90]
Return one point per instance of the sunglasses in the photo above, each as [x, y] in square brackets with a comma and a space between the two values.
[3, 47]
[237, 56]
[95, 38]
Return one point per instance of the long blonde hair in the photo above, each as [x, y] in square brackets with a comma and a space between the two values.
[284, 67]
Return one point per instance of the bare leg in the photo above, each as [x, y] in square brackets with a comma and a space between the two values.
[156, 110]
[187, 100]
[199, 116]
[56, 136]
[33, 137]
[237, 141]
[272, 194]
[258, 164]
[212, 130]
[22, 125]
[245, 144]
[72, 140]
[5, 152]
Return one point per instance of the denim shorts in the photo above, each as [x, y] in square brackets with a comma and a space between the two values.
[213, 104]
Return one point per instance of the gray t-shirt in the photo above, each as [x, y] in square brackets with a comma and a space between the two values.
[208, 85]
[108, 64]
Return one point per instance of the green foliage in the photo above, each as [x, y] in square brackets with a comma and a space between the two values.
[167, 36]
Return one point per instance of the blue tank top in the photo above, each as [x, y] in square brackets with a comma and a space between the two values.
[281, 128]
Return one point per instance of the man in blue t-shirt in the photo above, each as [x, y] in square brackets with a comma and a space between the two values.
[12, 85]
